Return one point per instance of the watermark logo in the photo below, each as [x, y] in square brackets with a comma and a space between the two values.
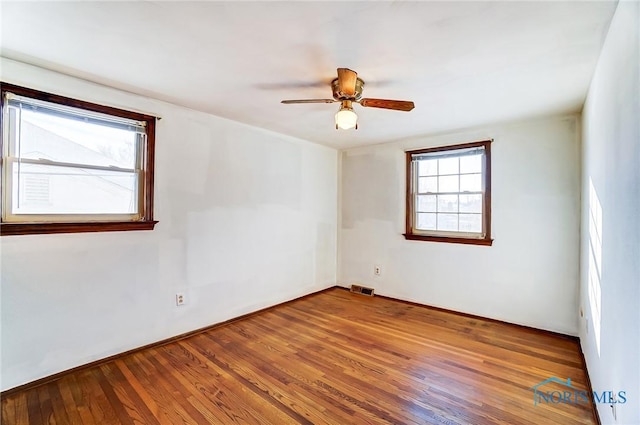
[570, 395]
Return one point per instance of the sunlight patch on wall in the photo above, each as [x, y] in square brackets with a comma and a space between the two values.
[595, 261]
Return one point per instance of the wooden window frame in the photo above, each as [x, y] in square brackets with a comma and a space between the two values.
[145, 222]
[411, 234]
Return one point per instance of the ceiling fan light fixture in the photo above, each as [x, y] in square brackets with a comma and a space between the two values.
[346, 118]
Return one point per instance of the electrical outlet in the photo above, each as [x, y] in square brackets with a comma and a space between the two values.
[376, 270]
[180, 299]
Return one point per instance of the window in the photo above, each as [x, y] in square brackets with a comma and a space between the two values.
[72, 166]
[449, 194]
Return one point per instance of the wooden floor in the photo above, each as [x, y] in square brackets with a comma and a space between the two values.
[331, 358]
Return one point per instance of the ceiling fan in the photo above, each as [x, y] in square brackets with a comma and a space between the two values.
[347, 88]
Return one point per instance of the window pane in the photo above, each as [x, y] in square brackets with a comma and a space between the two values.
[471, 223]
[448, 222]
[450, 194]
[471, 183]
[428, 167]
[44, 136]
[427, 184]
[447, 203]
[471, 203]
[448, 166]
[448, 184]
[46, 189]
[471, 164]
[427, 203]
[426, 221]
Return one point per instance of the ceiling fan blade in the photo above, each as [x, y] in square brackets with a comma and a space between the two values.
[397, 105]
[289, 102]
[347, 81]
[293, 85]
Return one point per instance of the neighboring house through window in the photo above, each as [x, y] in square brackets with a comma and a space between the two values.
[73, 166]
[449, 194]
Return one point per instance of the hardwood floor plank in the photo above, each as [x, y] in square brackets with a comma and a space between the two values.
[70, 383]
[365, 373]
[139, 389]
[173, 385]
[267, 403]
[333, 358]
[216, 391]
[46, 408]
[121, 412]
[113, 381]
[33, 404]
[267, 376]
[57, 403]
[96, 401]
[159, 390]
[68, 401]
[258, 379]
[175, 357]
[9, 410]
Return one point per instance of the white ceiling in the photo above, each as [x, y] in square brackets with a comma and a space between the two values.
[462, 63]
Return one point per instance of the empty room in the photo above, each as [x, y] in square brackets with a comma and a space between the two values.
[320, 212]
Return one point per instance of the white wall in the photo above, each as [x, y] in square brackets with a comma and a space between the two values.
[530, 274]
[611, 166]
[247, 220]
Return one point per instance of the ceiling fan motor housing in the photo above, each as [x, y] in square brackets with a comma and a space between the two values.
[338, 95]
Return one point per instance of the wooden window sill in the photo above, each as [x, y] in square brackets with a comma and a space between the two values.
[467, 241]
[9, 229]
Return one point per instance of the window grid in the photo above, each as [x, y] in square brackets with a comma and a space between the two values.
[20, 168]
[438, 193]
[466, 218]
[41, 215]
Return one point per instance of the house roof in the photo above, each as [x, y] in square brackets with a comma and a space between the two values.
[463, 63]
[566, 383]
